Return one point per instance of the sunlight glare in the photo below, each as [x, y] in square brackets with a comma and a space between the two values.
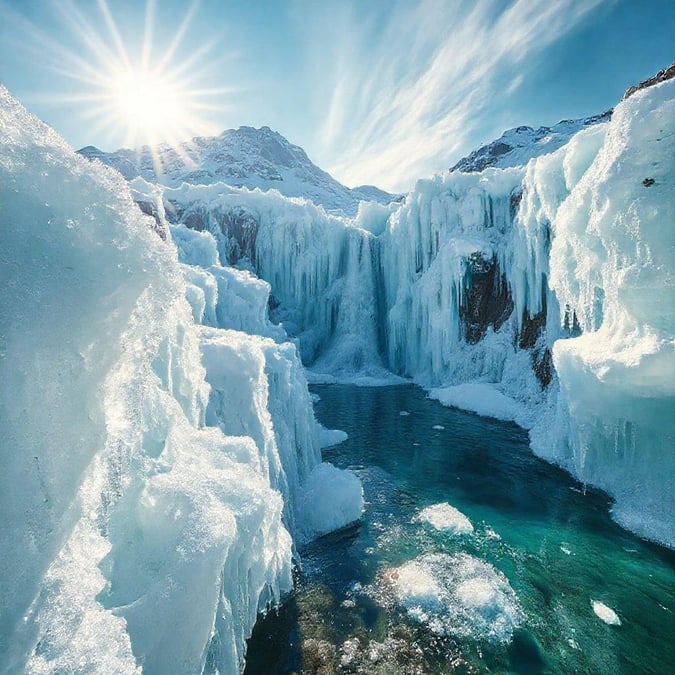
[148, 104]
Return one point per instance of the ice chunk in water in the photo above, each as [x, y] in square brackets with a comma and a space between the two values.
[604, 613]
[457, 595]
[445, 517]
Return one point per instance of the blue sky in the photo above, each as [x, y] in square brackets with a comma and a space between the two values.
[379, 92]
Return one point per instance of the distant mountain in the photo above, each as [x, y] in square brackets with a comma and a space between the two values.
[517, 146]
[244, 157]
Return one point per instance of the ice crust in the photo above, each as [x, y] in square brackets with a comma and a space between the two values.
[445, 517]
[605, 613]
[159, 446]
[482, 398]
[458, 595]
[580, 241]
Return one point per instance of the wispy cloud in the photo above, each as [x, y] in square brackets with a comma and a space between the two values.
[403, 91]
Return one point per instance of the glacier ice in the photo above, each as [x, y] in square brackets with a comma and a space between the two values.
[538, 293]
[158, 435]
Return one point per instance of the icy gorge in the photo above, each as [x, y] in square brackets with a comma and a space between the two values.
[161, 459]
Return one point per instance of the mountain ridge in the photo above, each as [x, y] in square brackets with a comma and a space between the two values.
[244, 157]
[517, 146]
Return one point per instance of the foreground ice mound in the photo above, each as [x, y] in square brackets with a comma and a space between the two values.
[457, 595]
[445, 517]
[151, 468]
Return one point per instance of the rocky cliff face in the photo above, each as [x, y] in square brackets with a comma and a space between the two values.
[661, 76]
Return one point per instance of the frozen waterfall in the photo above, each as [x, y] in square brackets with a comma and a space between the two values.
[548, 285]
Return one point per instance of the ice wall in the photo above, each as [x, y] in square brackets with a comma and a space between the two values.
[611, 259]
[144, 523]
[547, 284]
[322, 269]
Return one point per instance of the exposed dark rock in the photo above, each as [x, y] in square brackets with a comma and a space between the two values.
[487, 301]
[241, 229]
[648, 182]
[661, 76]
[531, 338]
[514, 203]
[150, 209]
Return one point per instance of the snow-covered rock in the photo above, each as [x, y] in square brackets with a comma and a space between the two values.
[516, 147]
[244, 157]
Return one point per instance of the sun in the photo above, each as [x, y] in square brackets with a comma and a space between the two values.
[136, 93]
[149, 105]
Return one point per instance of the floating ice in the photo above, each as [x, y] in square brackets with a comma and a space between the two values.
[457, 595]
[330, 437]
[445, 517]
[604, 613]
[438, 427]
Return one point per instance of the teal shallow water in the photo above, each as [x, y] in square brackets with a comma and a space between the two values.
[554, 541]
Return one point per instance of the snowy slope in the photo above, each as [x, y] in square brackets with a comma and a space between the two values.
[244, 157]
[516, 147]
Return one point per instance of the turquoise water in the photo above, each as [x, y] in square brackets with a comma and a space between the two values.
[554, 541]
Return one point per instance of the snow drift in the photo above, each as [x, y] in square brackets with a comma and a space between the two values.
[152, 469]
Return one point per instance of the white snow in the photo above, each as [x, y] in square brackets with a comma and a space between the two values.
[457, 595]
[604, 613]
[244, 157]
[479, 397]
[445, 517]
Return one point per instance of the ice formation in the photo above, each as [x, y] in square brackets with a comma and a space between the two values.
[159, 447]
[445, 517]
[604, 613]
[539, 294]
[457, 595]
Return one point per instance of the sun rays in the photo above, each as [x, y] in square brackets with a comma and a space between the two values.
[132, 89]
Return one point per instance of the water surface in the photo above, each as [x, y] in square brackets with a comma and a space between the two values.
[553, 540]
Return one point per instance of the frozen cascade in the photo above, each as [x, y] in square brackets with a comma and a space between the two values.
[139, 526]
[546, 283]
[323, 270]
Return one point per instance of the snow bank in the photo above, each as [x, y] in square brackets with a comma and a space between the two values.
[445, 517]
[145, 517]
[457, 595]
[481, 398]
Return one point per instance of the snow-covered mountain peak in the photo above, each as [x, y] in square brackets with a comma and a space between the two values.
[515, 147]
[244, 157]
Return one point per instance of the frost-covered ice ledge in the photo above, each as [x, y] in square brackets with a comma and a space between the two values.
[541, 294]
[159, 456]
